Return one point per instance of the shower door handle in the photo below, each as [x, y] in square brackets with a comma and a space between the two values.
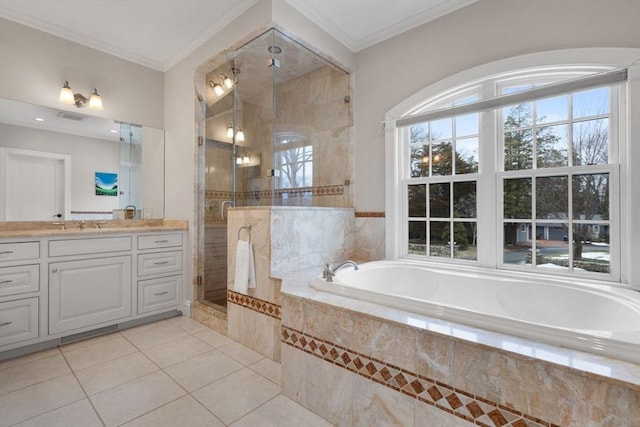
[226, 202]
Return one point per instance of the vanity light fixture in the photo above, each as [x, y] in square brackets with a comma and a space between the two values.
[219, 91]
[230, 131]
[240, 135]
[68, 97]
[245, 159]
[228, 82]
[238, 160]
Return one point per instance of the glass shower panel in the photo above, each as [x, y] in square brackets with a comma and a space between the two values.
[130, 179]
[311, 141]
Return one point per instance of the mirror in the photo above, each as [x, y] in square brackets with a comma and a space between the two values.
[67, 165]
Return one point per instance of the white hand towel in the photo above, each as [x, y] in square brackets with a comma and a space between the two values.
[245, 277]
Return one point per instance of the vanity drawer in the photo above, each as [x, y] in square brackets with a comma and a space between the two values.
[19, 279]
[89, 246]
[160, 293]
[18, 251]
[18, 320]
[159, 241]
[159, 262]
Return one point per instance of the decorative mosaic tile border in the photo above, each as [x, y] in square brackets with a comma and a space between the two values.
[328, 190]
[454, 401]
[369, 214]
[255, 304]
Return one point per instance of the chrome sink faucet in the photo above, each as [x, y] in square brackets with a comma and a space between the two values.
[330, 271]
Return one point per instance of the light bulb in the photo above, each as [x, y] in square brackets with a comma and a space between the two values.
[66, 94]
[95, 102]
[227, 81]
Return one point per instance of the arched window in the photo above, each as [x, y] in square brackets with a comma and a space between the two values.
[517, 165]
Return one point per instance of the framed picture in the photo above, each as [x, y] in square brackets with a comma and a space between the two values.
[106, 184]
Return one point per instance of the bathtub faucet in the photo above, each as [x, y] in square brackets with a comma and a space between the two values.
[330, 270]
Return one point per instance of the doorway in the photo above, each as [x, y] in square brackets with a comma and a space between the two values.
[35, 185]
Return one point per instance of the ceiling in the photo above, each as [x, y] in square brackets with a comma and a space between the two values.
[160, 33]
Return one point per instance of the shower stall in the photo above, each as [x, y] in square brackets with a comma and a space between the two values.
[276, 131]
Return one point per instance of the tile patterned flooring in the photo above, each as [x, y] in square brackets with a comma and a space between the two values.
[175, 372]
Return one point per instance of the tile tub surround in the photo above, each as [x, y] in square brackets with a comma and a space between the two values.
[418, 370]
[286, 240]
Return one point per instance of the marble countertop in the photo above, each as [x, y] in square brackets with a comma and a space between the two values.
[14, 229]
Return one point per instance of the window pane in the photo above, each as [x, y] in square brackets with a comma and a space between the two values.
[439, 200]
[418, 200]
[464, 199]
[467, 125]
[439, 238]
[442, 129]
[552, 146]
[591, 196]
[419, 159]
[517, 243]
[466, 156]
[518, 150]
[591, 142]
[465, 237]
[419, 144]
[592, 102]
[517, 116]
[552, 109]
[517, 198]
[441, 158]
[552, 246]
[417, 238]
[552, 197]
[591, 247]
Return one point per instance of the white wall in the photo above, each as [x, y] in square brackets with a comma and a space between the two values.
[485, 31]
[34, 65]
[88, 156]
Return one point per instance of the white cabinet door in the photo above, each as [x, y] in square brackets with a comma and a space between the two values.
[88, 292]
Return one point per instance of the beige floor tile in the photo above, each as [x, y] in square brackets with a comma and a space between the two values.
[36, 371]
[28, 358]
[242, 354]
[189, 325]
[153, 334]
[78, 414]
[176, 351]
[213, 338]
[38, 399]
[185, 411]
[99, 351]
[268, 369]
[236, 395]
[106, 375]
[128, 401]
[202, 370]
[281, 412]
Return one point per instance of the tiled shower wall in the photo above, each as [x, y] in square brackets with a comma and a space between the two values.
[287, 242]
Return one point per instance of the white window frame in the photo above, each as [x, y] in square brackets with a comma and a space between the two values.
[588, 61]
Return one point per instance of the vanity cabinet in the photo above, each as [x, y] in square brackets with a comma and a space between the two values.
[160, 265]
[19, 292]
[88, 292]
[55, 288]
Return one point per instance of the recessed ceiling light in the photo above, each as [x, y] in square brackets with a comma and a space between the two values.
[39, 119]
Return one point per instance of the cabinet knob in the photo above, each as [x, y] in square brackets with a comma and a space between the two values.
[54, 270]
